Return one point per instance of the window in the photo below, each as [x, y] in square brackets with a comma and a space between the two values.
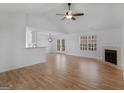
[31, 39]
[88, 43]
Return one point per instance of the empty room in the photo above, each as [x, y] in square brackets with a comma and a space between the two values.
[61, 46]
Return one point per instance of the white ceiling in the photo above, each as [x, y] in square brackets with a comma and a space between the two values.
[97, 16]
[27, 7]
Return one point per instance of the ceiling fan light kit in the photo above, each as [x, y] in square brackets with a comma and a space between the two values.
[70, 14]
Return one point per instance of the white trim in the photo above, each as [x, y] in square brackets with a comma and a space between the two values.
[83, 56]
[21, 66]
[96, 58]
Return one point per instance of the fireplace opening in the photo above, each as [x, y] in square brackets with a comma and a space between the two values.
[111, 56]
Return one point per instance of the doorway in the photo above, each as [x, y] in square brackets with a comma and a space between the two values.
[61, 45]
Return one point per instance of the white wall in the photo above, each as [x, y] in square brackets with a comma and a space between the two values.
[42, 41]
[122, 53]
[12, 44]
[105, 37]
[73, 47]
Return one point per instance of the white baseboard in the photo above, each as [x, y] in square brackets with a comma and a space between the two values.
[84, 56]
[101, 60]
[19, 67]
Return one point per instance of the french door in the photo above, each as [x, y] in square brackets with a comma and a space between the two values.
[61, 45]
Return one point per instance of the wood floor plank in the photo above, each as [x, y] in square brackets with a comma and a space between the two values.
[65, 72]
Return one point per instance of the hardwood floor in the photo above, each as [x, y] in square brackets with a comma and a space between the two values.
[65, 72]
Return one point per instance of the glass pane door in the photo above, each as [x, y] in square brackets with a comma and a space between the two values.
[58, 45]
[63, 45]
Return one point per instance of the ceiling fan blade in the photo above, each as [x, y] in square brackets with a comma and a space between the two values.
[78, 14]
[69, 4]
[60, 14]
[73, 18]
[63, 18]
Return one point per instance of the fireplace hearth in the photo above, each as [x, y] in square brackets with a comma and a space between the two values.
[111, 56]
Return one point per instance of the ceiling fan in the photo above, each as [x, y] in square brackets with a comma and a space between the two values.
[70, 14]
